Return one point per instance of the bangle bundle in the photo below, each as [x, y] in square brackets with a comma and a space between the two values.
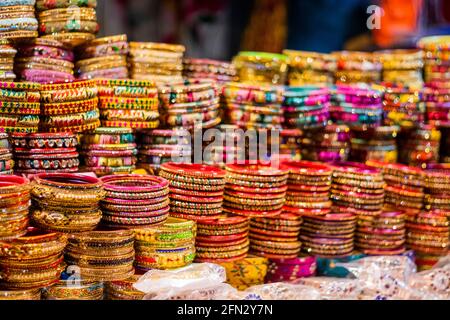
[167, 246]
[437, 188]
[44, 61]
[103, 58]
[420, 146]
[14, 205]
[403, 66]
[222, 239]
[404, 186]
[308, 189]
[123, 289]
[44, 152]
[253, 106]
[135, 200]
[32, 261]
[246, 272]
[7, 54]
[66, 202]
[159, 62]
[191, 104]
[357, 188]
[109, 150]
[128, 103]
[330, 235]
[356, 106]
[196, 191]
[306, 107]
[428, 235]
[74, 290]
[18, 21]
[310, 68]
[163, 145]
[255, 190]
[357, 67]
[377, 144]
[19, 107]
[220, 71]
[71, 25]
[261, 67]
[70, 107]
[102, 255]
[383, 234]
[403, 106]
[275, 237]
[6, 157]
[24, 294]
[437, 104]
[436, 62]
[281, 270]
[333, 145]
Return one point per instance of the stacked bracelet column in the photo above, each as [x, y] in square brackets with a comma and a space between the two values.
[437, 188]
[220, 71]
[419, 146]
[196, 191]
[18, 20]
[66, 202]
[7, 54]
[357, 67]
[135, 200]
[123, 289]
[402, 66]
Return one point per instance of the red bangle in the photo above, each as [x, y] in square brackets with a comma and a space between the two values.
[195, 170]
[141, 183]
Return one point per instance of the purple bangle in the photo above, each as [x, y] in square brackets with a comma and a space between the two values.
[134, 183]
[46, 76]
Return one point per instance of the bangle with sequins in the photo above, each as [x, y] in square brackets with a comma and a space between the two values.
[71, 107]
[58, 95]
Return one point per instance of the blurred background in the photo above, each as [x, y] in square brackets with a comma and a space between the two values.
[218, 29]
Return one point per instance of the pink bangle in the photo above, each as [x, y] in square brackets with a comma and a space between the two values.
[354, 167]
[134, 183]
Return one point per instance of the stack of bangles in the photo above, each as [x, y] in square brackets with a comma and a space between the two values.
[357, 188]
[437, 60]
[306, 107]
[45, 152]
[356, 106]
[123, 289]
[168, 246]
[160, 62]
[310, 68]
[70, 107]
[255, 190]
[18, 20]
[420, 146]
[384, 234]
[74, 290]
[134, 200]
[290, 144]
[261, 67]
[160, 146]
[281, 270]
[7, 54]
[220, 71]
[246, 272]
[190, 104]
[437, 188]
[66, 202]
[437, 105]
[403, 106]
[308, 191]
[102, 255]
[357, 67]
[196, 191]
[42, 5]
[377, 144]
[45, 61]
[24, 294]
[253, 106]
[402, 66]
[109, 151]
[34, 260]
[332, 145]
[328, 236]
[6, 157]
[14, 206]
[103, 58]
[59, 24]
[275, 237]
[404, 186]
[19, 107]
[222, 239]
[128, 103]
[428, 235]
